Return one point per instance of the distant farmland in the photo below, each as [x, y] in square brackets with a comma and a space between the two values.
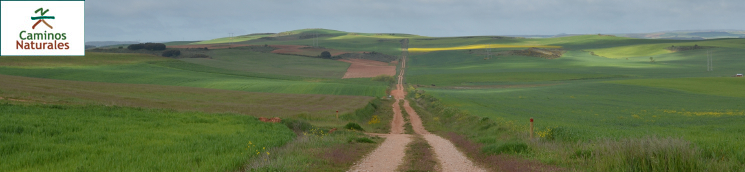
[603, 103]
[629, 88]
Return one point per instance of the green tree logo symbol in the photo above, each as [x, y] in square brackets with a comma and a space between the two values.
[42, 18]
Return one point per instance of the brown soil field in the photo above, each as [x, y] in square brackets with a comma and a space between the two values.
[16, 89]
[362, 68]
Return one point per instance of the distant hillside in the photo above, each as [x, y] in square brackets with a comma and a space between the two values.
[301, 34]
[688, 35]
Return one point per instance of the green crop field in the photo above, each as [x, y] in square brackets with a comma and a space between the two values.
[93, 59]
[100, 138]
[619, 94]
[607, 104]
[257, 62]
[93, 112]
[160, 71]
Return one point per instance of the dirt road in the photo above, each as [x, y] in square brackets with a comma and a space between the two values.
[390, 154]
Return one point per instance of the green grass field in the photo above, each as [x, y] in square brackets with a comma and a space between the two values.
[632, 106]
[619, 94]
[93, 59]
[186, 137]
[269, 63]
[101, 138]
[160, 71]
[725, 86]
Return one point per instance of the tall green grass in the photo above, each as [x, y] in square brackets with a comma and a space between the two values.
[647, 154]
[595, 110]
[101, 138]
[568, 146]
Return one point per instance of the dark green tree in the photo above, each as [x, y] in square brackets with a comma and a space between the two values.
[325, 55]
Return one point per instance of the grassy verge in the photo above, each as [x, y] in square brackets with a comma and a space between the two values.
[317, 150]
[372, 118]
[408, 129]
[419, 157]
[488, 140]
[101, 138]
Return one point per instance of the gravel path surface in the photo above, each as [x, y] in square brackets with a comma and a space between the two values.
[448, 155]
[387, 157]
[416, 122]
[397, 123]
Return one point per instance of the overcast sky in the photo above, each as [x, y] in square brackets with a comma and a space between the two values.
[176, 20]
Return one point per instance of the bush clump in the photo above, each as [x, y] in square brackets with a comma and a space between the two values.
[171, 53]
[136, 46]
[354, 126]
[558, 133]
[326, 55]
[147, 46]
[200, 56]
[509, 147]
[155, 46]
[296, 125]
[384, 78]
[360, 140]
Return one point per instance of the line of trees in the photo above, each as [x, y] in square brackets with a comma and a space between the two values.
[147, 46]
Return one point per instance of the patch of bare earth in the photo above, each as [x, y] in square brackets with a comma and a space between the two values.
[362, 68]
[18, 100]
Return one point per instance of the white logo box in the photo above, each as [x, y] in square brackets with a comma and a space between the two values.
[69, 18]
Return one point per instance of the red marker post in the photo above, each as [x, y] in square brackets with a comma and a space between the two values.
[531, 127]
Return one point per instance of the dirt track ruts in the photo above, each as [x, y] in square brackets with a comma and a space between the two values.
[390, 154]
